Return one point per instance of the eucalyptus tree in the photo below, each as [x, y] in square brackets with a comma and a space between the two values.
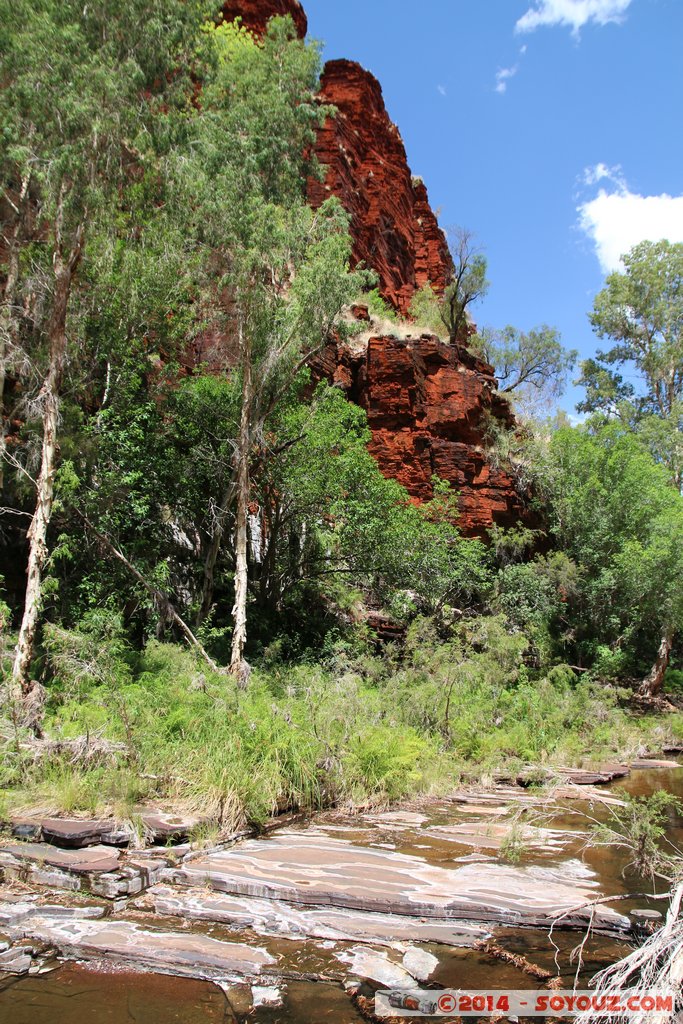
[640, 378]
[615, 514]
[82, 88]
[276, 272]
[467, 284]
[531, 365]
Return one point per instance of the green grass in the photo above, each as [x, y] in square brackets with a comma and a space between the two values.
[359, 729]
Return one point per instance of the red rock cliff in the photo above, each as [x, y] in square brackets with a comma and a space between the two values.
[428, 404]
[256, 14]
[393, 226]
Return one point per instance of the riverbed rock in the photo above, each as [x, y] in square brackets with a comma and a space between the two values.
[129, 943]
[266, 995]
[101, 870]
[420, 963]
[15, 960]
[373, 965]
[310, 868]
[75, 833]
[169, 826]
[488, 835]
[651, 762]
[25, 828]
[288, 920]
[577, 776]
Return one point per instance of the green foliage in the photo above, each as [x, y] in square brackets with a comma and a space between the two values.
[615, 515]
[532, 365]
[425, 310]
[467, 285]
[641, 311]
[673, 682]
[639, 828]
[379, 307]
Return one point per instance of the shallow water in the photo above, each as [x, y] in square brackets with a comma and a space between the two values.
[81, 995]
[76, 995]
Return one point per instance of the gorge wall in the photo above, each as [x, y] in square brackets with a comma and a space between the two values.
[428, 403]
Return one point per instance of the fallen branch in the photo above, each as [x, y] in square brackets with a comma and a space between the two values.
[80, 750]
[161, 599]
[656, 965]
[516, 959]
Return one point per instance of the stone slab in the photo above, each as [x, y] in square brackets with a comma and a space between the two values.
[131, 944]
[651, 762]
[488, 835]
[90, 859]
[310, 868]
[75, 833]
[167, 826]
[288, 920]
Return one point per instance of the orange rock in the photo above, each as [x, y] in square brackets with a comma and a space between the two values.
[427, 405]
[256, 14]
[393, 226]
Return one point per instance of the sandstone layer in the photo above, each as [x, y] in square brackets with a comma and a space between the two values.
[429, 405]
[256, 14]
[394, 229]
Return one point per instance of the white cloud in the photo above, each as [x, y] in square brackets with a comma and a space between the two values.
[572, 14]
[601, 172]
[618, 219]
[503, 76]
[442, 90]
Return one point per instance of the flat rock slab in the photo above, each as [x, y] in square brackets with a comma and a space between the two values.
[404, 819]
[93, 858]
[577, 776]
[131, 944]
[168, 827]
[75, 833]
[650, 762]
[376, 967]
[311, 868]
[595, 776]
[25, 828]
[99, 869]
[489, 835]
[288, 920]
[587, 794]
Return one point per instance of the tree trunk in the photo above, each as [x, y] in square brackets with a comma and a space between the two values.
[6, 315]
[652, 685]
[239, 611]
[37, 533]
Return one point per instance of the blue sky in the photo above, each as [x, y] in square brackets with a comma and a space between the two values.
[551, 129]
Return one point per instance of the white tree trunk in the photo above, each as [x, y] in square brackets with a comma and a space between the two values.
[37, 533]
[7, 314]
[654, 681]
[213, 553]
[239, 611]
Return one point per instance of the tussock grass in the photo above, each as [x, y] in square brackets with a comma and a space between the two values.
[359, 730]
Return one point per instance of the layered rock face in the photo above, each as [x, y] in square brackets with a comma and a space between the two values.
[393, 226]
[428, 405]
[256, 14]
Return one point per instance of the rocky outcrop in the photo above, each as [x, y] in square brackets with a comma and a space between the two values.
[428, 405]
[256, 14]
[394, 229]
